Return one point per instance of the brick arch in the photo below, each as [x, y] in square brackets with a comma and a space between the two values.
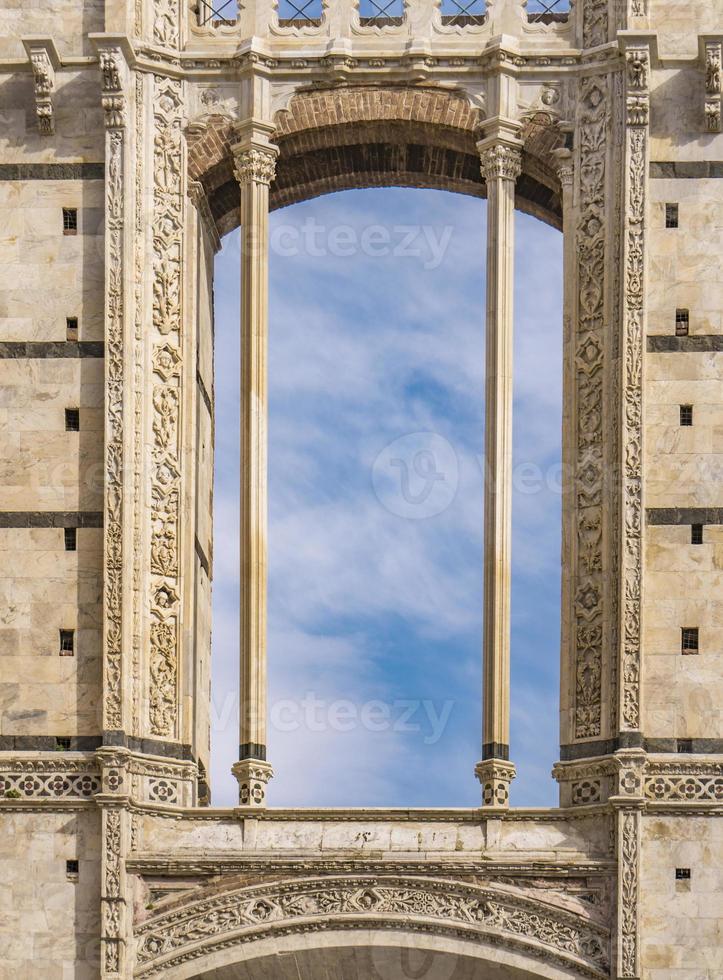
[366, 136]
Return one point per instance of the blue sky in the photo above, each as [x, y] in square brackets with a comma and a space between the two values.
[376, 434]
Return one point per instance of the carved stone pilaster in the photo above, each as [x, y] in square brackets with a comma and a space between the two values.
[166, 406]
[44, 80]
[628, 848]
[712, 106]
[637, 62]
[114, 909]
[585, 603]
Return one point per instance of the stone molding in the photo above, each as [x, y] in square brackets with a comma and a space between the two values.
[474, 912]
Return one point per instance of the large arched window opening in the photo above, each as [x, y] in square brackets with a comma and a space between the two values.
[376, 455]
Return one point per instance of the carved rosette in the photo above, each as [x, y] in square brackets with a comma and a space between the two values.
[446, 907]
[255, 164]
[589, 340]
[636, 156]
[712, 108]
[501, 161]
[44, 79]
[166, 406]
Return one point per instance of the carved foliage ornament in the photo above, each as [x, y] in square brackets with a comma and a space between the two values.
[713, 87]
[255, 165]
[112, 100]
[166, 406]
[501, 161]
[468, 910]
[593, 125]
[112, 900]
[44, 77]
[114, 368]
[628, 894]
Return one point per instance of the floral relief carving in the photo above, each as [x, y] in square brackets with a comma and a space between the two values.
[166, 18]
[633, 325]
[167, 363]
[112, 100]
[473, 910]
[112, 893]
[44, 78]
[115, 379]
[629, 885]
[594, 121]
[594, 22]
[713, 87]
[255, 165]
[681, 782]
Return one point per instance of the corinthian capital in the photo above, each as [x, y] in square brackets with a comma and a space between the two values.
[501, 160]
[255, 164]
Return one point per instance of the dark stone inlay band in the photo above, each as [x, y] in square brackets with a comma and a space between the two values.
[633, 740]
[51, 348]
[665, 344]
[52, 171]
[684, 515]
[49, 743]
[51, 518]
[252, 750]
[149, 746]
[688, 169]
[496, 750]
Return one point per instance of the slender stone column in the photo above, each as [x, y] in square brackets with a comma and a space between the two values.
[255, 160]
[501, 165]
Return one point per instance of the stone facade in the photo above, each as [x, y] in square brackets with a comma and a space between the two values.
[135, 135]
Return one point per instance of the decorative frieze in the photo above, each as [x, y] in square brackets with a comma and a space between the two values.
[688, 781]
[377, 902]
[48, 779]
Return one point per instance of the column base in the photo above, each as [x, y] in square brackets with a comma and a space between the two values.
[495, 775]
[252, 776]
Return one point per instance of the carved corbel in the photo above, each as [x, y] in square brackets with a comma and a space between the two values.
[713, 86]
[44, 61]
[112, 73]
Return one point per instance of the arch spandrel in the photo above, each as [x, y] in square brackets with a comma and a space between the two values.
[367, 136]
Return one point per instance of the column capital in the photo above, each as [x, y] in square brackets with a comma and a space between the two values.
[255, 162]
[564, 166]
[253, 776]
[500, 159]
[495, 775]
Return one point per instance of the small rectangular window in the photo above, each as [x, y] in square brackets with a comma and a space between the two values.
[72, 420]
[71, 867]
[682, 323]
[71, 328]
[70, 221]
[689, 640]
[71, 538]
[62, 743]
[696, 534]
[671, 215]
[67, 643]
[686, 414]
[682, 874]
